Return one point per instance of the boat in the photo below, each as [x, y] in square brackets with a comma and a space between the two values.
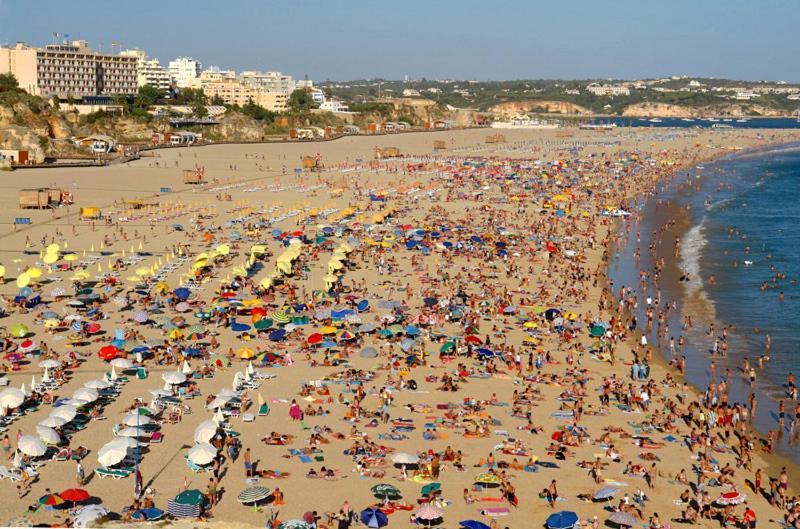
[721, 126]
[727, 119]
[713, 119]
[687, 119]
[743, 120]
[656, 120]
[597, 126]
[525, 123]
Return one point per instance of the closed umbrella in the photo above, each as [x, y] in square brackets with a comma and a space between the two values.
[31, 446]
[202, 454]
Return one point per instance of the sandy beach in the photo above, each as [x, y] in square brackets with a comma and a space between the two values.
[526, 231]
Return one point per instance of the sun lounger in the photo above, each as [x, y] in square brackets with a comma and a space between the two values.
[11, 475]
[111, 472]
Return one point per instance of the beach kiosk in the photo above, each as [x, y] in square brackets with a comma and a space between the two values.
[194, 176]
[90, 213]
[387, 152]
[439, 145]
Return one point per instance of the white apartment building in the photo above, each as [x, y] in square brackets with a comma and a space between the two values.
[334, 106]
[69, 70]
[608, 90]
[317, 95]
[745, 95]
[184, 70]
[149, 72]
[268, 81]
[233, 91]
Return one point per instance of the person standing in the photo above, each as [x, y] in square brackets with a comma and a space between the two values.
[79, 473]
[248, 465]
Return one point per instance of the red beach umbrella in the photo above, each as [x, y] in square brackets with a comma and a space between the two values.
[108, 352]
[75, 495]
[314, 339]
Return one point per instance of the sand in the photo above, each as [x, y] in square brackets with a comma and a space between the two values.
[248, 171]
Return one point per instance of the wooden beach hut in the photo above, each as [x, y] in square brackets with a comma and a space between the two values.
[439, 144]
[496, 138]
[387, 152]
[40, 198]
[194, 176]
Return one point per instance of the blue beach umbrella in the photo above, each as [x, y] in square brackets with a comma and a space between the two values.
[374, 518]
[473, 524]
[562, 520]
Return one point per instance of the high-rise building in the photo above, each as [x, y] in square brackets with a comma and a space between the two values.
[69, 70]
[268, 81]
[149, 72]
[184, 70]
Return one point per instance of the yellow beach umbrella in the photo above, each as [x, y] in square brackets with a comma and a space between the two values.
[266, 282]
[34, 272]
[71, 257]
[23, 280]
[223, 249]
[2, 271]
[50, 258]
[53, 248]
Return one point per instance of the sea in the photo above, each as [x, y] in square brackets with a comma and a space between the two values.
[736, 219]
[744, 123]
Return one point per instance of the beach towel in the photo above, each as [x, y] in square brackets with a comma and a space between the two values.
[306, 459]
[547, 464]
[495, 511]
[562, 414]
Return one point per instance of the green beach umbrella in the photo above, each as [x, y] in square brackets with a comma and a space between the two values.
[190, 497]
[447, 346]
[294, 524]
[384, 490]
[431, 487]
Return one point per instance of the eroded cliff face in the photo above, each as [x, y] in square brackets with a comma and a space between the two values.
[734, 110]
[512, 108]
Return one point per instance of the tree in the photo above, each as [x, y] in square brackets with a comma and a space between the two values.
[217, 100]
[300, 101]
[8, 82]
[147, 97]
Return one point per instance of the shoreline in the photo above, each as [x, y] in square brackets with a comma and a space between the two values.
[671, 274]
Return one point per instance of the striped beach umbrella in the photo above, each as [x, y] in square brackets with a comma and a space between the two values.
[253, 495]
[280, 317]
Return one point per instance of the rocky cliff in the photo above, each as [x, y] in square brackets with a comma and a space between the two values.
[512, 108]
[734, 110]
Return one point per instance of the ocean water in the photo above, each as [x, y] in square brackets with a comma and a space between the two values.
[739, 221]
[749, 123]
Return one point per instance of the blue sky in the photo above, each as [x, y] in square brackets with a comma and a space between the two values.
[464, 39]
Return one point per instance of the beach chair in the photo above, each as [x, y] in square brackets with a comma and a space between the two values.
[157, 437]
[103, 472]
[263, 410]
[198, 468]
[11, 475]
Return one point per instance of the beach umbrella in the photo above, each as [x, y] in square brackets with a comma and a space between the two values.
[140, 316]
[31, 446]
[374, 518]
[49, 364]
[202, 454]
[606, 493]
[173, 377]
[314, 338]
[75, 495]
[182, 293]
[111, 453]
[97, 384]
[131, 431]
[51, 500]
[108, 352]
[403, 458]
[428, 513]
[190, 497]
[295, 524]
[183, 510]
[48, 435]
[89, 516]
[486, 478]
[368, 352]
[731, 498]
[253, 495]
[473, 524]
[123, 442]
[65, 412]
[426, 490]
[11, 398]
[205, 431]
[150, 514]
[27, 346]
[19, 330]
[86, 394]
[136, 419]
[384, 490]
[122, 363]
[622, 519]
[561, 520]
[53, 421]
[447, 346]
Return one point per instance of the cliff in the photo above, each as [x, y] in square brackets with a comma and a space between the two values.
[513, 108]
[734, 110]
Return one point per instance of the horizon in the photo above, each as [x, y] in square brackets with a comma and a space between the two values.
[625, 40]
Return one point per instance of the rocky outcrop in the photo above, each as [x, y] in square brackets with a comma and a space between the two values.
[21, 138]
[733, 110]
[649, 110]
[514, 108]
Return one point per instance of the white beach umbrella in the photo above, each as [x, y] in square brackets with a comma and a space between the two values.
[77, 403]
[53, 421]
[217, 403]
[111, 454]
[218, 417]
[160, 392]
[65, 412]
[97, 384]
[136, 419]
[202, 454]
[205, 431]
[227, 393]
[49, 364]
[131, 431]
[186, 369]
[87, 394]
[405, 459]
[173, 377]
[48, 435]
[121, 363]
[88, 516]
[250, 368]
[124, 442]
[31, 445]
[11, 398]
